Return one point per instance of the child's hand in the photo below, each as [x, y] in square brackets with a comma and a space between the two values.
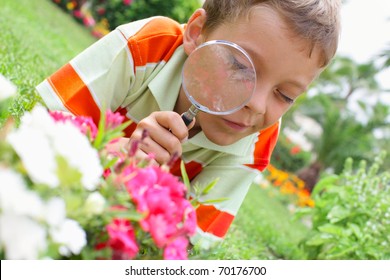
[165, 132]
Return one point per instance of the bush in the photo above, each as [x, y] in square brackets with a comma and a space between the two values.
[118, 12]
[101, 16]
[351, 217]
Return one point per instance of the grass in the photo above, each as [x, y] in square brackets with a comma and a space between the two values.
[263, 229]
[37, 38]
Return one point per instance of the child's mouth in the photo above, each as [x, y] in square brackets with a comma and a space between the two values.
[235, 125]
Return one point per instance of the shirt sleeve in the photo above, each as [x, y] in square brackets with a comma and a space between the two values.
[98, 78]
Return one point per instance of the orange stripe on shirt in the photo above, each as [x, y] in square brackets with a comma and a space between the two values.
[264, 147]
[73, 93]
[151, 45]
[213, 221]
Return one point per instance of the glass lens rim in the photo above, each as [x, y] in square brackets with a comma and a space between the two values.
[204, 108]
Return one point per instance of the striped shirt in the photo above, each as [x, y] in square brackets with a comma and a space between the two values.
[136, 70]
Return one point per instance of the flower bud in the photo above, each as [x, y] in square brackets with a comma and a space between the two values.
[94, 205]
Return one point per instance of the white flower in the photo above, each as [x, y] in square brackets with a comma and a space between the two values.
[55, 212]
[75, 147]
[7, 89]
[21, 237]
[33, 146]
[16, 198]
[40, 139]
[11, 184]
[94, 205]
[40, 119]
[71, 236]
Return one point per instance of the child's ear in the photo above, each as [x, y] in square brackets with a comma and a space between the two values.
[193, 33]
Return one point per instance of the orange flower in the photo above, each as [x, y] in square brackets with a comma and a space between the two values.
[289, 184]
[288, 188]
[71, 5]
[304, 198]
[295, 150]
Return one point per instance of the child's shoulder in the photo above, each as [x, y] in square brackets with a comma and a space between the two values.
[153, 39]
[157, 26]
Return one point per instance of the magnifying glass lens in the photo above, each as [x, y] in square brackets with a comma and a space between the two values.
[219, 77]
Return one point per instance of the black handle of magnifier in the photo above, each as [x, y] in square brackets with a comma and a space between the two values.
[188, 116]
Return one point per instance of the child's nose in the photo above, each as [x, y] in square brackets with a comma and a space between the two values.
[258, 101]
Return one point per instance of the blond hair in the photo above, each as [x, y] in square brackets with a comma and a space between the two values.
[317, 21]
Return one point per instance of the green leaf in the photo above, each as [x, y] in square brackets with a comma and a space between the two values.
[210, 186]
[319, 239]
[338, 213]
[333, 229]
[67, 175]
[356, 230]
[324, 184]
[97, 143]
[109, 163]
[337, 253]
[131, 215]
[184, 175]
[302, 212]
[212, 201]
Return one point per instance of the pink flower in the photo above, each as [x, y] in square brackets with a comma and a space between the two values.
[97, 34]
[189, 219]
[127, 2]
[157, 225]
[146, 181]
[101, 11]
[84, 124]
[106, 173]
[77, 14]
[160, 196]
[89, 21]
[176, 250]
[122, 239]
[113, 120]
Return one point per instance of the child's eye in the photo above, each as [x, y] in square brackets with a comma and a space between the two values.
[284, 97]
[238, 65]
[239, 71]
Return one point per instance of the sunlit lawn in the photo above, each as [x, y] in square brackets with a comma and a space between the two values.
[37, 38]
[263, 229]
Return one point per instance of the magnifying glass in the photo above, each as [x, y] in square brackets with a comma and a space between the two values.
[219, 78]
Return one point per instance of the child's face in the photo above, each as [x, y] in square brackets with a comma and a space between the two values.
[284, 71]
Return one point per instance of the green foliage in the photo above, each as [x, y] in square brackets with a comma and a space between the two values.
[289, 156]
[117, 13]
[343, 77]
[263, 229]
[351, 217]
[343, 136]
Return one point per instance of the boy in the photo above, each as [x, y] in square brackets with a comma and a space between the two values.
[136, 70]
